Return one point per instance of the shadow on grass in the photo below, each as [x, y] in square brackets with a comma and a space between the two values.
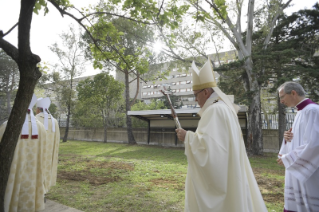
[149, 153]
[125, 151]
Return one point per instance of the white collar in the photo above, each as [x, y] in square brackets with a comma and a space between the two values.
[213, 95]
[211, 100]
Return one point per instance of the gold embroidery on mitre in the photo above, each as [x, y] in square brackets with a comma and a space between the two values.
[205, 85]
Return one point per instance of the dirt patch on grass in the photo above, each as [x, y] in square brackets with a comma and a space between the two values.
[95, 172]
[168, 183]
[87, 176]
[274, 198]
[110, 165]
[269, 171]
[271, 188]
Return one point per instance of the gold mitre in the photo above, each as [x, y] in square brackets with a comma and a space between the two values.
[205, 78]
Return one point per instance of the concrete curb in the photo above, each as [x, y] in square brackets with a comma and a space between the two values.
[51, 206]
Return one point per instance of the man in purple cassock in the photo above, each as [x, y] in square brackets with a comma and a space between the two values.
[299, 152]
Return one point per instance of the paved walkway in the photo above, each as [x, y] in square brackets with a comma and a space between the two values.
[51, 206]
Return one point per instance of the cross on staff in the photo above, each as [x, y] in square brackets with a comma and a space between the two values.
[167, 93]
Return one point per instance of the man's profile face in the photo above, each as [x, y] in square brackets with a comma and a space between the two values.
[200, 96]
[285, 98]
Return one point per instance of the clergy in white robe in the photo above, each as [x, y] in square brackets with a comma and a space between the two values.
[219, 176]
[52, 141]
[299, 152]
[25, 186]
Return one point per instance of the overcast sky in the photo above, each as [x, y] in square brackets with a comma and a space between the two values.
[45, 30]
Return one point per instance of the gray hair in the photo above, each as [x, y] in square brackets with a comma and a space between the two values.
[210, 90]
[290, 86]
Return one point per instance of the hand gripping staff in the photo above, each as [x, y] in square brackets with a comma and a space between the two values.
[166, 93]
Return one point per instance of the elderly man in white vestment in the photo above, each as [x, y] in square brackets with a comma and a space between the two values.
[219, 176]
[299, 152]
[25, 187]
[52, 141]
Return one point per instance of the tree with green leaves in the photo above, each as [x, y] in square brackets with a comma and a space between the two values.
[99, 100]
[290, 55]
[71, 65]
[129, 56]
[299, 32]
[140, 11]
[9, 79]
[294, 45]
[224, 18]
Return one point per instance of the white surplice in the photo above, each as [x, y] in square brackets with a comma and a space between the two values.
[219, 176]
[301, 159]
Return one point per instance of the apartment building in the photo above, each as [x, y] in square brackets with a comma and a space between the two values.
[179, 82]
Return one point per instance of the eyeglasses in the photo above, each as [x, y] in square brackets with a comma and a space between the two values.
[195, 94]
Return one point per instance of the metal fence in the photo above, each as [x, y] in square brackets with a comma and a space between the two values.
[270, 121]
[112, 122]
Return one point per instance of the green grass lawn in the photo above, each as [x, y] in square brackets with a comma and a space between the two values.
[95, 176]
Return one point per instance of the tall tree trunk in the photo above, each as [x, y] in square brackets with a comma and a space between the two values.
[66, 133]
[281, 120]
[255, 138]
[29, 75]
[254, 142]
[130, 136]
[105, 128]
[137, 88]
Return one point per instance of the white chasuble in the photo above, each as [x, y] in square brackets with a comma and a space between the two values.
[301, 160]
[219, 176]
[51, 151]
[25, 187]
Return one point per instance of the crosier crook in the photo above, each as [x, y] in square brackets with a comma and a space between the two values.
[166, 93]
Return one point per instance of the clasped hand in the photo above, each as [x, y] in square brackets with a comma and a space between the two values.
[181, 133]
[288, 135]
